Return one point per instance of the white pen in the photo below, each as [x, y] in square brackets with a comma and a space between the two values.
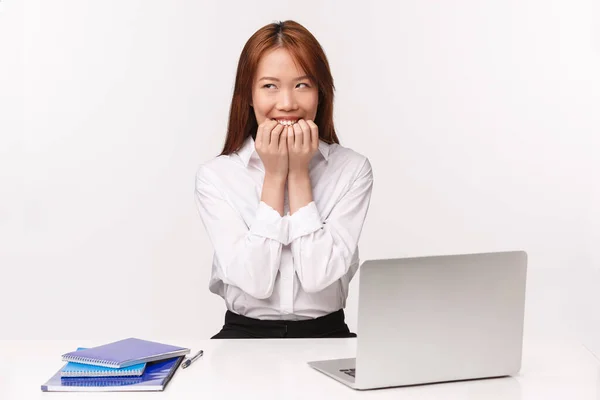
[189, 361]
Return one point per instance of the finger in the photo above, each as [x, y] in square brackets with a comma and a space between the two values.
[277, 132]
[307, 145]
[304, 125]
[308, 138]
[265, 132]
[298, 136]
[314, 133]
[290, 138]
[283, 145]
[274, 132]
[259, 136]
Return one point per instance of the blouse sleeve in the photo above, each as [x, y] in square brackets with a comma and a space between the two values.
[249, 256]
[323, 249]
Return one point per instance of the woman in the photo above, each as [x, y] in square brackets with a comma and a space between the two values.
[284, 203]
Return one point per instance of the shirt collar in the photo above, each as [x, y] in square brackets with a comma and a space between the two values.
[248, 149]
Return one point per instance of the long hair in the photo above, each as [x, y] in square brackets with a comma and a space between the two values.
[307, 52]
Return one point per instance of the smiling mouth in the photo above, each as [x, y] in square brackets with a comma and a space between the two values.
[287, 122]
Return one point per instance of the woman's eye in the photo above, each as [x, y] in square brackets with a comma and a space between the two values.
[270, 84]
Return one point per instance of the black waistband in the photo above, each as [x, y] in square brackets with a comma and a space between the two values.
[330, 325]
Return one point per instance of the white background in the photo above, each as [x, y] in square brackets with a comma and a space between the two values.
[481, 121]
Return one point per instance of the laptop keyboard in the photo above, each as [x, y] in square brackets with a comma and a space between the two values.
[349, 371]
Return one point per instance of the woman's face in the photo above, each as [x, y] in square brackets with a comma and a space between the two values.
[282, 92]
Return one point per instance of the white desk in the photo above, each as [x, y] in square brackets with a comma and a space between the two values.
[277, 369]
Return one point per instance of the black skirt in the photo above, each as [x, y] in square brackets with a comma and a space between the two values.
[329, 326]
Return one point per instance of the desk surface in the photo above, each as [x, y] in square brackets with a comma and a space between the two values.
[277, 369]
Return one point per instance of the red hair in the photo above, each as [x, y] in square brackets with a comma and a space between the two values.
[307, 52]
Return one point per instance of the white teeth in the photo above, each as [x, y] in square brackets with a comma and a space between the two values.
[287, 123]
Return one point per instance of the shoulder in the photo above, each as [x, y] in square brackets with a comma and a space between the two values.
[210, 171]
[350, 160]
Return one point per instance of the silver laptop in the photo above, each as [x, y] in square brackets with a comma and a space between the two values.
[436, 319]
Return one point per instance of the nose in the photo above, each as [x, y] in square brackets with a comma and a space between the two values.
[286, 101]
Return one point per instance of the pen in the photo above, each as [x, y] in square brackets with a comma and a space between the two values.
[189, 361]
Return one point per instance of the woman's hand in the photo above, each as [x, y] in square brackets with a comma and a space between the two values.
[302, 143]
[272, 148]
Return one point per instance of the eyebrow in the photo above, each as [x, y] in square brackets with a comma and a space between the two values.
[270, 78]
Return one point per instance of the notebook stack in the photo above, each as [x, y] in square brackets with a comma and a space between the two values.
[126, 365]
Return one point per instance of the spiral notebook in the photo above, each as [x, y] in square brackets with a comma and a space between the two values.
[156, 377]
[72, 369]
[124, 353]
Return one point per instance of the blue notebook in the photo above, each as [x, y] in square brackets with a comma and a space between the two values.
[156, 377]
[72, 369]
[125, 353]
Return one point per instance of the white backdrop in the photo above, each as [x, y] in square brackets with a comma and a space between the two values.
[481, 122]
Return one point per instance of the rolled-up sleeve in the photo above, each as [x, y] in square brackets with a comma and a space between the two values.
[249, 256]
[323, 249]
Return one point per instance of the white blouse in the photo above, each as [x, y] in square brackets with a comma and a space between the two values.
[294, 267]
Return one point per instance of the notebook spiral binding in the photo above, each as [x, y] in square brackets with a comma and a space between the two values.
[117, 372]
[101, 382]
[90, 361]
